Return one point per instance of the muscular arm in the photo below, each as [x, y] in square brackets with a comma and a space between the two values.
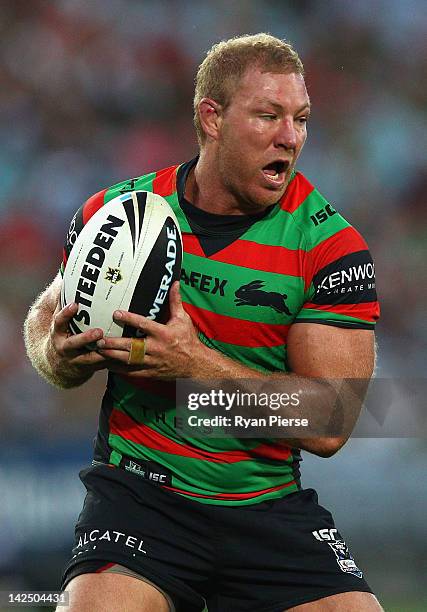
[315, 351]
[332, 367]
[57, 356]
[343, 357]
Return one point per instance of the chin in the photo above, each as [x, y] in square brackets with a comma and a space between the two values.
[267, 197]
[261, 201]
[258, 198]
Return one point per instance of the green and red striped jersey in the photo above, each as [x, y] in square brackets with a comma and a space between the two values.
[243, 286]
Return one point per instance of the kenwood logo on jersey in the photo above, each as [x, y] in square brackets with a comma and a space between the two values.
[340, 548]
[252, 294]
[355, 274]
[346, 280]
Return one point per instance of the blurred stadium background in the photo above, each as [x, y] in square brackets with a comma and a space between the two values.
[98, 91]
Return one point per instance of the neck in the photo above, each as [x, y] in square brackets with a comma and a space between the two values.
[205, 189]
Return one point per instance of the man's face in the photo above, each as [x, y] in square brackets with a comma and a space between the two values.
[261, 136]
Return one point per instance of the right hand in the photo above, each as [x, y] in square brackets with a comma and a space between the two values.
[69, 350]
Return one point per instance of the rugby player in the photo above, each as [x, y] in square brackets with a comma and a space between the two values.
[171, 522]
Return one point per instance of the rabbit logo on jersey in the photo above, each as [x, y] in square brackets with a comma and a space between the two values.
[340, 548]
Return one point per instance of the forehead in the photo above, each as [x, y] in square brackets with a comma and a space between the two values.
[256, 86]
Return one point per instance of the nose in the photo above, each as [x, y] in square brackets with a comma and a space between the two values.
[286, 135]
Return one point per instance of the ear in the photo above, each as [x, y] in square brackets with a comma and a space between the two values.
[210, 113]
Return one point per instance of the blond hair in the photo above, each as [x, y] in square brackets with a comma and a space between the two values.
[227, 61]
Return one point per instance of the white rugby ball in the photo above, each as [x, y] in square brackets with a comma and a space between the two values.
[125, 257]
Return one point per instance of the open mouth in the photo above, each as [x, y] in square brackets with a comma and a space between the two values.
[275, 171]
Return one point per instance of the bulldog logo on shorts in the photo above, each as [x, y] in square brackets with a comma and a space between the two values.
[344, 558]
[340, 548]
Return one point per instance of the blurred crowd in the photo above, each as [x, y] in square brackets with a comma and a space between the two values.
[96, 92]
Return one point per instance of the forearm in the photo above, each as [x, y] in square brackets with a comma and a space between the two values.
[42, 354]
[331, 407]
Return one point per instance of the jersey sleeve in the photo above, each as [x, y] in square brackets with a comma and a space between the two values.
[339, 273]
[80, 218]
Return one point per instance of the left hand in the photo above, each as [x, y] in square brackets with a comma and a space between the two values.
[170, 350]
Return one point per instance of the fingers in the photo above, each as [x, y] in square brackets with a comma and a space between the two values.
[114, 355]
[120, 349]
[115, 349]
[113, 343]
[148, 326]
[91, 358]
[138, 321]
[63, 317]
[79, 342]
[175, 301]
[66, 344]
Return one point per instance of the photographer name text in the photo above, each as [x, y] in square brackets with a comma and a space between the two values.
[237, 420]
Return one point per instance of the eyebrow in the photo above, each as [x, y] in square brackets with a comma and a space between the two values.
[307, 105]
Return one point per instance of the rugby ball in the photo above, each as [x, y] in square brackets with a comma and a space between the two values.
[126, 257]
